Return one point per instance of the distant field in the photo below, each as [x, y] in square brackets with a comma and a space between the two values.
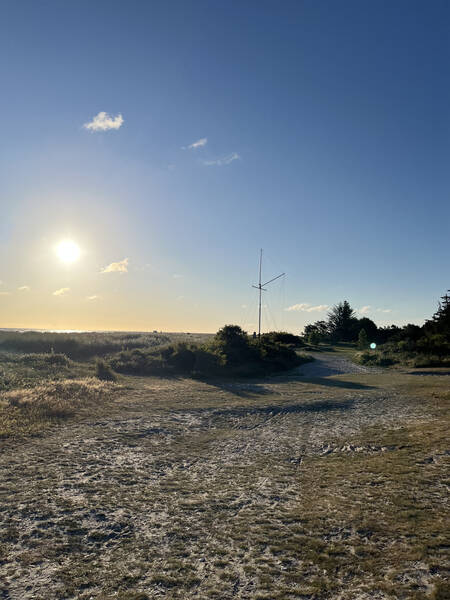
[89, 344]
[295, 486]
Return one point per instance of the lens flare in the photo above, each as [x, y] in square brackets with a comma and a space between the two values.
[373, 345]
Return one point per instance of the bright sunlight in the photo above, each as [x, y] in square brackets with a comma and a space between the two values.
[68, 251]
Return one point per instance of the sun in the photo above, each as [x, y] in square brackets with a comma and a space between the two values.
[68, 251]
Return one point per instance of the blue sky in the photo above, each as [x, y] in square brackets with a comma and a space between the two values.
[327, 128]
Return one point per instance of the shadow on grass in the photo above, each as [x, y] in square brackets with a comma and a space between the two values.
[429, 373]
[327, 382]
[337, 383]
[274, 409]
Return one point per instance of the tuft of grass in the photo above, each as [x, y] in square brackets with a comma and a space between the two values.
[104, 371]
[28, 410]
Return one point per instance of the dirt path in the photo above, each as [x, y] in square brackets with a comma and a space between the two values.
[327, 364]
[206, 490]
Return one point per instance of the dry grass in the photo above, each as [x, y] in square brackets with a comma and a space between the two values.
[331, 488]
[29, 410]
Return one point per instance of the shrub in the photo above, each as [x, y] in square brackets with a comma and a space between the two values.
[314, 338]
[103, 371]
[231, 352]
[363, 342]
[282, 337]
[182, 359]
[374, 359]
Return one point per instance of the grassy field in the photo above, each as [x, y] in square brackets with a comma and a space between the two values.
[284, 487]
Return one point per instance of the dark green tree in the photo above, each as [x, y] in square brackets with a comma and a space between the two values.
[341, 322]
[369, 326]
[440, 322]
[363, 341]
[319, 329]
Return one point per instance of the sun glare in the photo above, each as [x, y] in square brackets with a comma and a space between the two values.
[68, 251]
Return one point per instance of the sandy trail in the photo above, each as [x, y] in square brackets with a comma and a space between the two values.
[327, 364]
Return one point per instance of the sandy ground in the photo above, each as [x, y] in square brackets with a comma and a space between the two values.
[327, 364]
[186, 490]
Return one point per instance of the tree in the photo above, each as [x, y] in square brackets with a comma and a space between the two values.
[440, 322]
[369, 326]
[363, 341]
[316, 332]
[341, 322]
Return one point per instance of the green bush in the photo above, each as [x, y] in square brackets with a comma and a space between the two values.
[378, 359]
[283, 337]
[230, 353]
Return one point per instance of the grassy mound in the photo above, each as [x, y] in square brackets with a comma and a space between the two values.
[27, 410]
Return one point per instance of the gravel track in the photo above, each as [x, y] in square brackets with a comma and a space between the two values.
[327, 364]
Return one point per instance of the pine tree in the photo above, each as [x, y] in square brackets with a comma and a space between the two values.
[341, 321]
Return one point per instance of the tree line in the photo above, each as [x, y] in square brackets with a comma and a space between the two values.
[342, 325]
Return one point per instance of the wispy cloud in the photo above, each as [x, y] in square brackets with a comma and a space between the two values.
[384, 310]
[198, 144]
[61, 292]
[5, 293]
[117, 267]
[225, 160]
[306, 307]
[94, 297]
[103, 122]
[24, 288]
[364, 309]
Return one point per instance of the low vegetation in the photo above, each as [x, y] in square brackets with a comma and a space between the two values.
[78, 346]
[230, 353]
[27, 379]
[29, 410]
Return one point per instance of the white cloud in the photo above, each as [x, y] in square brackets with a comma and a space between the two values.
[61, 291]
[103, 122]
[384, 310]
[198, 144]
[117, 267]
[24, 288]
[94, 297]
[225, 160]
[306, 307]
[364, 309]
